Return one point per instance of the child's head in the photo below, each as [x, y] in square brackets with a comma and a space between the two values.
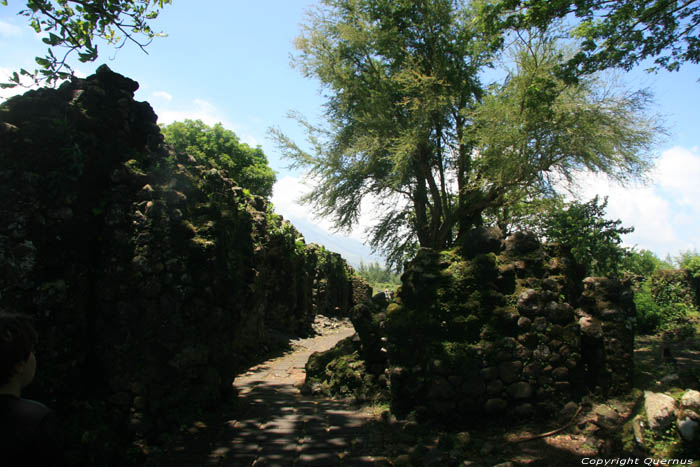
[17, 341]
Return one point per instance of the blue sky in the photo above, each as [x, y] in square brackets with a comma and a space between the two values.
[229, 61]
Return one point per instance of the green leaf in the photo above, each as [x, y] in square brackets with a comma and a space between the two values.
[54, 39]
[76, 24]
[87, 57]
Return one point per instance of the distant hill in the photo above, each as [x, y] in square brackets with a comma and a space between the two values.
[352, 250]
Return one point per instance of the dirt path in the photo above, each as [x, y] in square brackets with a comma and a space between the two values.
[272, 424]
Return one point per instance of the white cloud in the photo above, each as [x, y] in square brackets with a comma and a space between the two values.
[247, 139]
[9, 30]
[199, 109]
[665, 213]
[286, 196]
[162, 95]
[678, 171]
[288, 191]
[5, 74]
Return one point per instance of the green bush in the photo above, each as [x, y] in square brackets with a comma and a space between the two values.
[690, 262]
[247, 166]
[593, 241]
[671, 286]
[648, 312]
[665, 302]
[642, 263]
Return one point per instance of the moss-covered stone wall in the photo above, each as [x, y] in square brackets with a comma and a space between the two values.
[152, 279]
[504, 328]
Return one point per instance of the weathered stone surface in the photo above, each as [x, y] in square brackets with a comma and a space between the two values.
[522, 353]
[489, 373]
[524, 323]
[590, 327]
[532, 370]
[143, 269]
[529, 301]
[560, 373]
[550, 284]
[607, 317]
[540, 324]
[474, 386]
[482, 240]
[607, 417]
[569, 410]
[441, 389]
[510, 371]
[689, 429]
[525, 410]
[691, 399]
[522, 242]
[494, 387]
[520, 390]
[368, 318]
[560, 313]
[660, 410]
[542, 352]
[463, 438]
[495, 405]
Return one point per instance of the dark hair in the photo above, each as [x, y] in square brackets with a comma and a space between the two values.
[17, 340]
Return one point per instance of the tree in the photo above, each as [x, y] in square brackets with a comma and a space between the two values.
[688, 259]
[74, 24]
[643, 263]
[410, 123]
[618, 33]
[592, 240]
[374, 273]
[245, 165]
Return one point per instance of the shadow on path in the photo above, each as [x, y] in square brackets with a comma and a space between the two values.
[272, 424]
[279, 427]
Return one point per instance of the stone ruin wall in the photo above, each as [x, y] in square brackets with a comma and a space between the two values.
[152, 278]
[504, 330]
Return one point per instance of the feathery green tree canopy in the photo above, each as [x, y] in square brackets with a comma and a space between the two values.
[410, 124]
[613, 33]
